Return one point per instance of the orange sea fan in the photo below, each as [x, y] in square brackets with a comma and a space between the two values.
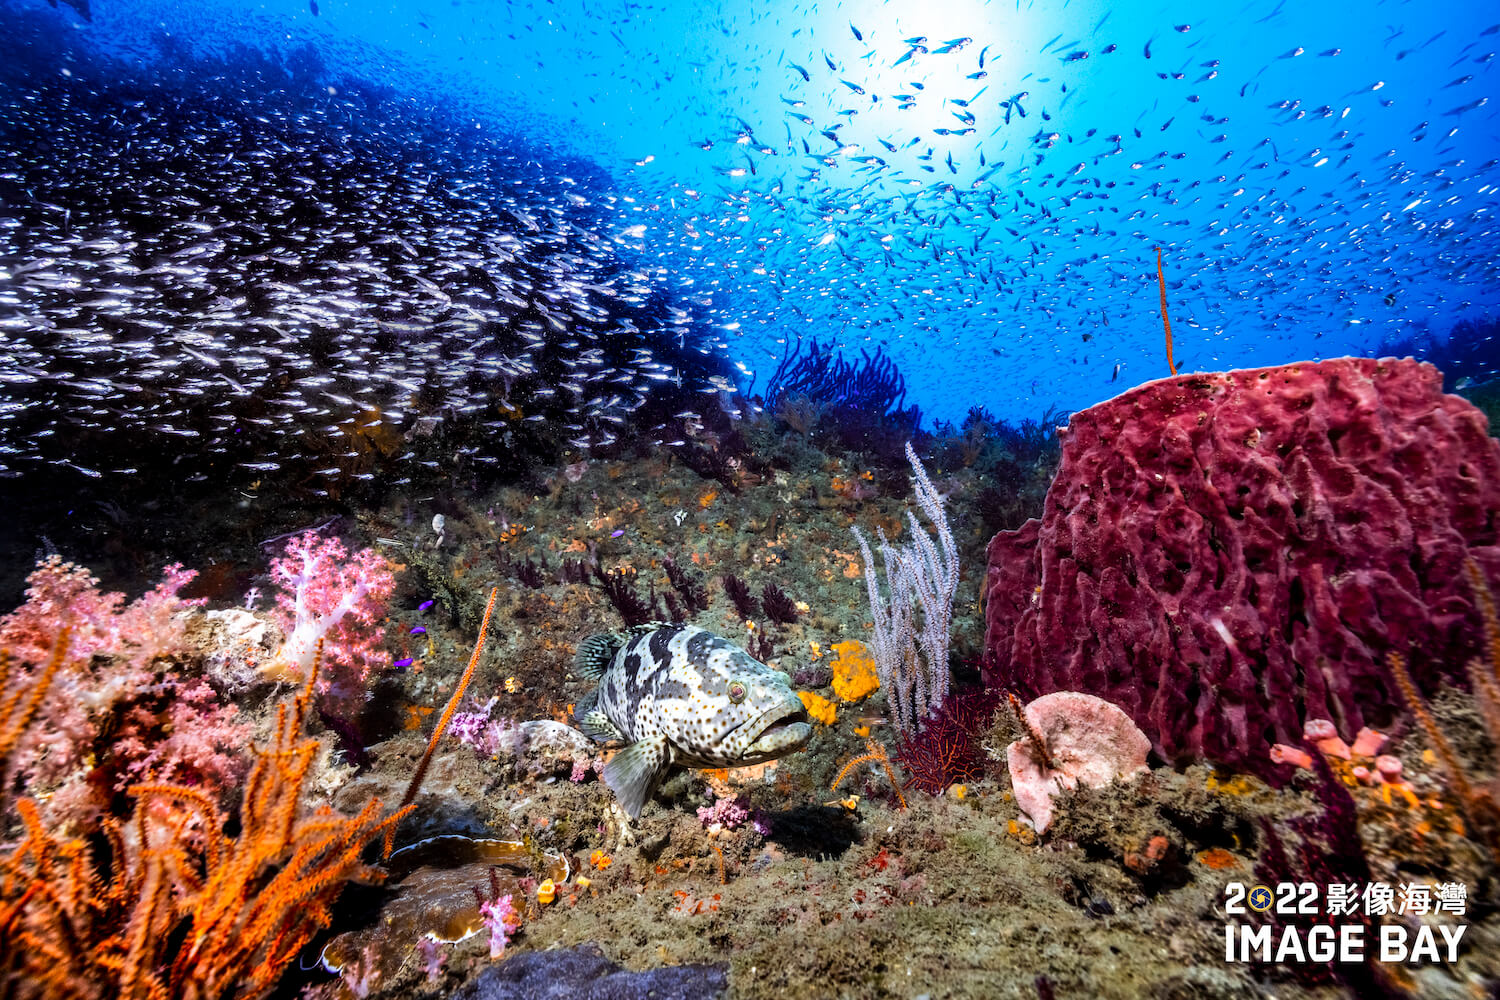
[170, 905]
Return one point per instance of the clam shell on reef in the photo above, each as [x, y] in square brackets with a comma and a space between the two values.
[430, 893]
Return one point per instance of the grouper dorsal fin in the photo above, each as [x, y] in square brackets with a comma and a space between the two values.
[633, 773]
[646, 628]
[594, 654]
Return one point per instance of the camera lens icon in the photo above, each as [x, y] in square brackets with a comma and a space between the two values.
[1260, 898]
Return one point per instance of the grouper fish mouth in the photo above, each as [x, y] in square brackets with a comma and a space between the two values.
[782, 734]
[680, 695]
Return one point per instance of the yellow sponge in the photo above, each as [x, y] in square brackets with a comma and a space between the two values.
[818, 707]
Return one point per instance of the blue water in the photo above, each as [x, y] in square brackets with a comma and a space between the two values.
[1318, 176]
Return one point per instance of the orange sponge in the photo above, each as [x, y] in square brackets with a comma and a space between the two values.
[853, 671]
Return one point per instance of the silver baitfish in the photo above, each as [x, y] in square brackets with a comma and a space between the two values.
[677, 694]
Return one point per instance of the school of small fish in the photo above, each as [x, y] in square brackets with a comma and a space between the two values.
[980, 187]
[997, 205]
[225, 271]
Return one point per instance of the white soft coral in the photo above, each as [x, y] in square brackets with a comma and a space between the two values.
[331, 597]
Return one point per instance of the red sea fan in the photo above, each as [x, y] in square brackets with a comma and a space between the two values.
[946, 749]
[739, 595]
[779, 607]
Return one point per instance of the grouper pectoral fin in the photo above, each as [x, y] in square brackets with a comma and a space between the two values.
[596, 725]
[633, 773]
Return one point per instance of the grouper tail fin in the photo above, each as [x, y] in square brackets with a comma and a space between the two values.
[594, 654]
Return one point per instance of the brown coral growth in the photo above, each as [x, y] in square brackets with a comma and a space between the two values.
[1481, 805]
[169, 904]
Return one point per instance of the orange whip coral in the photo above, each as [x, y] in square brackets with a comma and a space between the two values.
[1161, 281]
[447, 716]
[171, 903]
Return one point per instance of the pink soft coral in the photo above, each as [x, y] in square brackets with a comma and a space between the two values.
[727, 813]
[189, 738]
[488, 736]
[60, 593]
[501, 919]
[327, 594]
[121, 709]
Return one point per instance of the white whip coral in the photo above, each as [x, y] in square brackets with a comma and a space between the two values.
[923, 573]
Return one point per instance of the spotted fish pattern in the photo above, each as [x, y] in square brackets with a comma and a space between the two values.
[678, 694]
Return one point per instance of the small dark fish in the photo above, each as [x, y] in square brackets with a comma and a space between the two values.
[313, 6]
[1472, 105]
[801, 71]
[857, 36]
[981, 56]
[831, 67]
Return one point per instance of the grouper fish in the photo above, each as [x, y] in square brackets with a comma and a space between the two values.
[677, 694]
